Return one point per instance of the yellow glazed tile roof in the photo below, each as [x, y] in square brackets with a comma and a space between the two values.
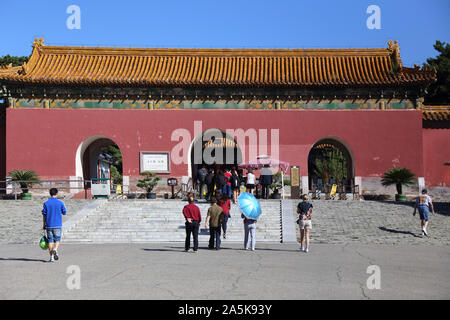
[215, 67]
[436, 113]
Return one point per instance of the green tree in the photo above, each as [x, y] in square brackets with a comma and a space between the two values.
[438, 92]
[116, 177]
[116, 165]
[333, 163]
[398, 177]
[15, 61]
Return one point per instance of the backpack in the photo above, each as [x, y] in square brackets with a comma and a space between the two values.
[234, 181]
[220, 180]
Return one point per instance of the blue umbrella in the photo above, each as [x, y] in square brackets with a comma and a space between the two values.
[249, 206]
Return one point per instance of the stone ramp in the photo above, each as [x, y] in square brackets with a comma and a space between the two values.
[128, 221]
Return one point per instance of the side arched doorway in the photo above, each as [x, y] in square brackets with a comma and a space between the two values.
[213, 149]
[330, 161]
[99, 157]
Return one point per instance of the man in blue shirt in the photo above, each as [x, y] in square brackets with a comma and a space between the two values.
[52, 219]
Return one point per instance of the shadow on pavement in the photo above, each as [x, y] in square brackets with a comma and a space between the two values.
[22, 259]
[398, 231]
[181, 249]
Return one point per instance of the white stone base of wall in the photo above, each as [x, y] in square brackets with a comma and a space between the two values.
[373, 186]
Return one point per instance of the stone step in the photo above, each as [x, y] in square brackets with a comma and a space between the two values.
[166, 236]
[161, 221]
[155, 233]
[160, 227]
[180, 235]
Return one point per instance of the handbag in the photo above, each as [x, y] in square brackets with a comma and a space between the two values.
[43, 242]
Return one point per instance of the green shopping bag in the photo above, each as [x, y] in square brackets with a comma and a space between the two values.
[43, 243]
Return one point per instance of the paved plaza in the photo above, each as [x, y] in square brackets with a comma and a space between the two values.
[347, 238]
[272, 271]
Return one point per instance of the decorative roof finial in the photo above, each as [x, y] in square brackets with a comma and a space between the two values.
[395, 49]
[38, 42]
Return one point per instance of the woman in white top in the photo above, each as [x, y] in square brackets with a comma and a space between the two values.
[250, 181]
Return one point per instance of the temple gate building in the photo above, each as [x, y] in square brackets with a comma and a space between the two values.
[62, 107]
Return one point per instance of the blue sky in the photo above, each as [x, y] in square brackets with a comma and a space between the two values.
[228, 24]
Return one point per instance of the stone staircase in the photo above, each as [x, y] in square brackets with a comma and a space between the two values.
[126, 221]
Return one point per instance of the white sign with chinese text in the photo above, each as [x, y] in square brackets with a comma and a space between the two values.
[155, 162]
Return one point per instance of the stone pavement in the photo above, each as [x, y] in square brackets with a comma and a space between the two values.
[375, 222]
[273, 271]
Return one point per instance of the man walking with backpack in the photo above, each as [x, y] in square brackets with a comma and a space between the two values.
[52, 221]
[215, 218]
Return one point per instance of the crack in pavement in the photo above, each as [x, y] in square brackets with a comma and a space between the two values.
[234, 284]
[158, 285]
[339, 274]
[371, 260]
[39, 293]
[363, 292]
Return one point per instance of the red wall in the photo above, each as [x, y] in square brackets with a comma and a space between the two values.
[436, 151]
[2, 151]
[46, 140]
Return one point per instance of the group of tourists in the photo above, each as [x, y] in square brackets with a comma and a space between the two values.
[216, 221]
[231, 182]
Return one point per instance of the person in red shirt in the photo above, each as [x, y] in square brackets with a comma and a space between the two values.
[193, 218]
[227, 186]
[225, 204]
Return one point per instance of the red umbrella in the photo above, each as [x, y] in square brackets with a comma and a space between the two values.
[263, 160]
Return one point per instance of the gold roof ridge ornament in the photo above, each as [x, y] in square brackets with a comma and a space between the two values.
[395, 50]
[37, 50]
[38, 42]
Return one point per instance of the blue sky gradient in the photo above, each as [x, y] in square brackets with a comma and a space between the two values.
[416, 24]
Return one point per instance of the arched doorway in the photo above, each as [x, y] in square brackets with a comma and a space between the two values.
[213, 149]
[95, 156]
[330, 161]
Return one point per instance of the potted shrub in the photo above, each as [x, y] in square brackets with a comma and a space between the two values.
[148, 183]
[26, 180]
[398, 177]
[276, 186]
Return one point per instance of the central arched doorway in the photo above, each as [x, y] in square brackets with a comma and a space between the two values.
[99, 157]
[214, 149]
[330, 161]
